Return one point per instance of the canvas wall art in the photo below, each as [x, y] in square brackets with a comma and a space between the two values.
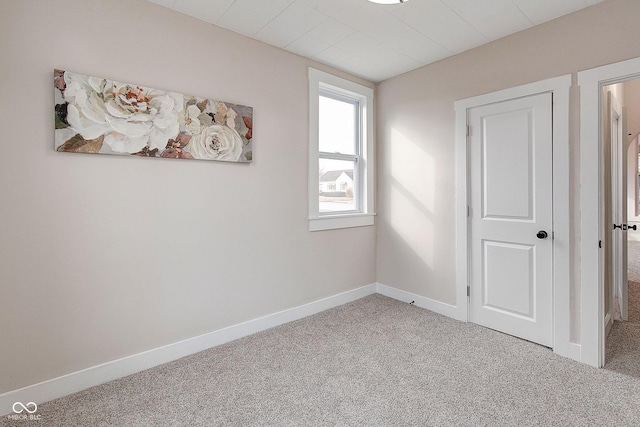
[98, 115]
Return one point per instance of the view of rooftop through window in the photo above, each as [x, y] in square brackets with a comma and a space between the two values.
[339, 153]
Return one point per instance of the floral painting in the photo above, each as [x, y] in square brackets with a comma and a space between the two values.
[98, 115]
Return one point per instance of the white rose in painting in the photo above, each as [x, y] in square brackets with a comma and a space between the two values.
[86, 112]
[216, 142]
[192, 119]
[130, 117]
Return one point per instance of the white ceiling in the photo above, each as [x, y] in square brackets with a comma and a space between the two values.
[376, 41]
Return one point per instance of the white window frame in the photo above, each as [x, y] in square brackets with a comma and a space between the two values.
[364, 215]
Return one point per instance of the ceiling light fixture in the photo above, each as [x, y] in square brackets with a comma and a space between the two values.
[388, 1]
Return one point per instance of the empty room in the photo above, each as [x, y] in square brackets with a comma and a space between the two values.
[332, 212]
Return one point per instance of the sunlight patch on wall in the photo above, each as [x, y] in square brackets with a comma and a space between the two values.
[413, 168]
[412, 195]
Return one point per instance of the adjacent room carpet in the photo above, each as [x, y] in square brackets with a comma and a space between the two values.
[633, 261]
[623, 343]
[373, 362]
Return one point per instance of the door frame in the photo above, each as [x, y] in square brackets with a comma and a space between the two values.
[619, 147]
[591, 82]
[560, 88]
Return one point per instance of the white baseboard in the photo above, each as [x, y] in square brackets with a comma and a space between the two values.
[420, 301]
[608, 323]
[100, 374]
[573, 351]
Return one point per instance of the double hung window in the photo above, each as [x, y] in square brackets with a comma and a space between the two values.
[340, 153]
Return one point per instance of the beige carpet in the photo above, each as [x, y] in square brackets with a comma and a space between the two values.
[634, 302]
[623, 343]
[633, 261]
[373, 362]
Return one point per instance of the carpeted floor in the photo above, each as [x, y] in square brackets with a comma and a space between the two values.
[373, 362]
[633, 260]
[623, 343]
[634, 303]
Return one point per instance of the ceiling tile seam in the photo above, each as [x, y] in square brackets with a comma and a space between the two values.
[426, 36]
[345, 69]
[382, 67]
[222, 14]
[216, 23]
[283, 11]
[523, 14]
[348, 26]
[470, 25]
[334, 44]
[429, 38]
[315, 57]
[419, 61]
[320, 41]
[330, 44]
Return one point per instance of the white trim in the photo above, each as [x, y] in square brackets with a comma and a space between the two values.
[562, 260]
[573, 351]
[608, 324]
[560, 87]
[419, 301]
[340, 221]
[317, 222]
[462, 206]
[100, 374]
[592, 292]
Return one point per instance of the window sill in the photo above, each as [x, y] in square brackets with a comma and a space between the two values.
[332, 222]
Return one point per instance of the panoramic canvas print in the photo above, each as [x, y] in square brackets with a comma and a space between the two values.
[102, 116]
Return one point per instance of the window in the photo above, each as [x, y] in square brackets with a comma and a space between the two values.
[340, 152]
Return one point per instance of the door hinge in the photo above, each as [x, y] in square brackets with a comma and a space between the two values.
[468, 130]
[600, 244]
[468, 211]
[468, 290]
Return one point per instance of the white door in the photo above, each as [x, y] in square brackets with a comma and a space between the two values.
[510, 220]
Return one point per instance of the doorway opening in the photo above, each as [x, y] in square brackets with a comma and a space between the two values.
[593, 227]
[621, 259]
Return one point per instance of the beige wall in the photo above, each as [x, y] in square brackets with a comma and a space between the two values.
[416, 139]
[102, 257]
[632, 102]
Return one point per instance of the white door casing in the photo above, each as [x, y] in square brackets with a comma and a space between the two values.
[563, 334]
[592, 227]
[511, 165]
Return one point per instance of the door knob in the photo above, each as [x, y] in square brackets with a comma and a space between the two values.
[625, 226]
[542, 234]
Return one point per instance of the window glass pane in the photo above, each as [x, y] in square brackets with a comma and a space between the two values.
[338, 132]
[337, 189]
